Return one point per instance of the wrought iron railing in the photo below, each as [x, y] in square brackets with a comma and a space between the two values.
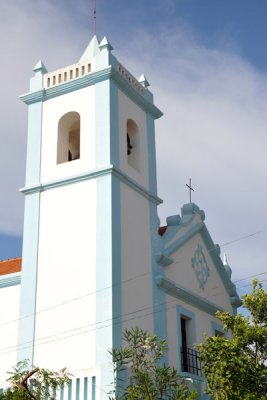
[190, 361]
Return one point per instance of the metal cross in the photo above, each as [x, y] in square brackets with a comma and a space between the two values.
[190, 189]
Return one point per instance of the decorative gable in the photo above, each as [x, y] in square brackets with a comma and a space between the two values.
[192, 269]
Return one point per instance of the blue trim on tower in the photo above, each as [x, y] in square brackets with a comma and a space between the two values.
[104, 299]
[114, 126]
[91, 175]
[159, 297]
[102, 124]
[116, 263]
[29, 278]
[108, 243]
[152, 166]
[28, 294]
[33, 164]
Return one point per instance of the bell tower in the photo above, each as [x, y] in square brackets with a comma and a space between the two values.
[90, 213]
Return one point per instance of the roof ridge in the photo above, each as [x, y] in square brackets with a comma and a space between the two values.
[11, 259]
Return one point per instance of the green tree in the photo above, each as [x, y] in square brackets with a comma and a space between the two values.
[236, 368]
[33, 383]
[139, 373]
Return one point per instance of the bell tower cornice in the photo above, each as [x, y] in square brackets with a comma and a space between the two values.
[100, 66]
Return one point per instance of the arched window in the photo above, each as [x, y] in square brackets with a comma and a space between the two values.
[133, 144]
[68, 141]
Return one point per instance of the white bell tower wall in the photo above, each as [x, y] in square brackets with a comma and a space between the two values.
[90, 214]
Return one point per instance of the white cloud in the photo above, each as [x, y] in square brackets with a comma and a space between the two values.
[29, 31]
[214, 131]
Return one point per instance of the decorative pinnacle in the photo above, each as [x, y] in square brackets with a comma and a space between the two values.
[144, 82]
[40, 67]
[225, 261]
[227, 266]
[92, 49]
[104, 44]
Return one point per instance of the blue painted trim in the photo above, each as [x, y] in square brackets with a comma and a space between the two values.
[102, 124]
[61, 396]
[67, 87]
[160, 259]
[116, 263]
[140, 100]
[138, 188]
[175, 223]
[85, 389]
[114, 126]
[159, 296]
[1, 390]
[10, 281]
[77, 388]
[217, 327]
[175, 290]
[181, 311]
[228, 284]
[163, 260]
[200, 266]
[88, 80]
[70, 389]
[151, 159]
[91, 175]
[183, 239]
[33, 97]
[34, 142]
[26, 332]
[104, 277]
[93, 387]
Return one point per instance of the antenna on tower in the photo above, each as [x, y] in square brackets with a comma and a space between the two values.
[94, 1]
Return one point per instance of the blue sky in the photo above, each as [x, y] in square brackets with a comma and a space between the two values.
[206, 61]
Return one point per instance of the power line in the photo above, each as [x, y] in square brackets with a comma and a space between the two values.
[244, 237]
[133, 278]
[106, 288]
[119, 317]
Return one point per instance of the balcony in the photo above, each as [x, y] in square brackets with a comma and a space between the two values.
[190, 361]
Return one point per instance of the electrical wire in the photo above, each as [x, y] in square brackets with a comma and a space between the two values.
[119, 317]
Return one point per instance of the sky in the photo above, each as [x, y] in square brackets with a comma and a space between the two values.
[206, 61]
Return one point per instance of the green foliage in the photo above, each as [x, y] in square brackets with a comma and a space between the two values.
[236, 368]
[139, 373]
[34, 384]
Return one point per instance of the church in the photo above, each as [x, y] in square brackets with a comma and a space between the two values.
[95, 259]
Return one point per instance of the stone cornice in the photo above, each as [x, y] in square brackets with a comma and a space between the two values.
[179, 292]
[10, 281]
[88, 80]
[92, 175]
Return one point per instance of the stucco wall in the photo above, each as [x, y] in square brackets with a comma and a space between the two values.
[9, 314]
[66, 274]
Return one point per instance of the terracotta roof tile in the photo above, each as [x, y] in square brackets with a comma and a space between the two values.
[10, 266]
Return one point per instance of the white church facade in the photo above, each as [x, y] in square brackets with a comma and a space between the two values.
[95, 259]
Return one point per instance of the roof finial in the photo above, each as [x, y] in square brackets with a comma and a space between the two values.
[94, 17]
